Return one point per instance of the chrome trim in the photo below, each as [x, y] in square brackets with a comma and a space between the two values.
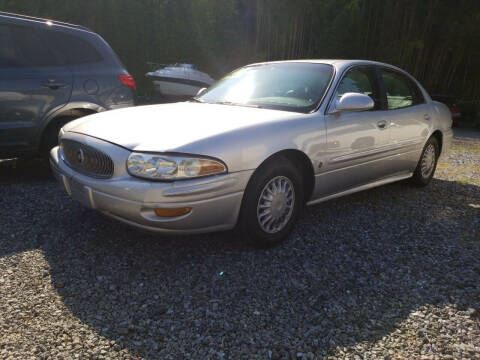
[197, 189]
[378, 151]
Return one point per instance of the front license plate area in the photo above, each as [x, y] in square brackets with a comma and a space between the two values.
[81, 193]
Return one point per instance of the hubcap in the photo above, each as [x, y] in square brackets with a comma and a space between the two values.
[275, 205]
[428, 161]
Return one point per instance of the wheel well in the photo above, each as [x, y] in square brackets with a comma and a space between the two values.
[304, 166]
[75, 113]
[72, 113]
[59, 118]
[438, 135]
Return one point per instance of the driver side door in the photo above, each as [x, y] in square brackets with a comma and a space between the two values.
[357, 141]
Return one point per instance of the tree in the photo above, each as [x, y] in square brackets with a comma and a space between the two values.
[435, 40]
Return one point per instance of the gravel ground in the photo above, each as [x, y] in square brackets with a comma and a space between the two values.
[390, 273]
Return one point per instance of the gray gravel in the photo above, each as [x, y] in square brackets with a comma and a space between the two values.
[390, 273]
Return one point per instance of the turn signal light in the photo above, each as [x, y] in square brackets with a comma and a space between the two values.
[172, 212]
[209, 167]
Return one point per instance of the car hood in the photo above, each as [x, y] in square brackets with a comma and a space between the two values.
[167, 127]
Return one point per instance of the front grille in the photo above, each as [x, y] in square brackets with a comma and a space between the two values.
[86, 160]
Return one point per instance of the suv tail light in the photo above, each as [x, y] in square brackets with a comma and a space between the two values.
[127, 80]
[454, 109]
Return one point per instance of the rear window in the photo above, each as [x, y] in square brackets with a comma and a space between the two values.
[73, 49]
[400, 90]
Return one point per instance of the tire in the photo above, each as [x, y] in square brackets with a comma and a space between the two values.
[427, 164]
[288, 200]
[50, 137]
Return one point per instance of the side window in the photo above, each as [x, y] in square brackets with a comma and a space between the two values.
[8, 55]
[31, 51]
[400, 90]
[72, 49]
[21, 46]
[359, 80]
[417, 93]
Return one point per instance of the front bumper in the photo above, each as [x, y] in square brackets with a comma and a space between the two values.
[215, 201]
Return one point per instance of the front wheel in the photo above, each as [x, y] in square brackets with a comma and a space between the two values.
[272, 202]
[427, 164]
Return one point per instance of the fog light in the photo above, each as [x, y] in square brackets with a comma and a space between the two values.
[172, 212]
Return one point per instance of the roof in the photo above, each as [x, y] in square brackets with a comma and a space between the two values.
[338, 62]
[42, 20]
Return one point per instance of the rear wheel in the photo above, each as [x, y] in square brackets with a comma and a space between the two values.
[427, 164]
[272, 202]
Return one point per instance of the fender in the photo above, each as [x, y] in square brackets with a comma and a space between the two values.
[442, 122]
[307, 135]
[65, 108]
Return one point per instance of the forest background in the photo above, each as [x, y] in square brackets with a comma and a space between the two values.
[438, 41]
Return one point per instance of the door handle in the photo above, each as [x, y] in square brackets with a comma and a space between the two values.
[382, 124]
[426, 117]
[52, 84]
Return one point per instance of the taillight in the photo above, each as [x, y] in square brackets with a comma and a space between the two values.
[127, 80]
[454, 109]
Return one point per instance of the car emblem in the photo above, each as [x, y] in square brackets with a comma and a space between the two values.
[80, 156]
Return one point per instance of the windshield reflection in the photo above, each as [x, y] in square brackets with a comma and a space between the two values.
[292, 86]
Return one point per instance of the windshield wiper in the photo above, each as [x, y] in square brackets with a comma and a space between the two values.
[236, 104]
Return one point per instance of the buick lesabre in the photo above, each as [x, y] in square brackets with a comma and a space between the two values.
[254, 148]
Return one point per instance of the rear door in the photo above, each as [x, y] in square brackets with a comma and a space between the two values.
[32, 82]
[408, 114]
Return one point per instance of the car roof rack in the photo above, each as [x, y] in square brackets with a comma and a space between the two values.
[33, 18]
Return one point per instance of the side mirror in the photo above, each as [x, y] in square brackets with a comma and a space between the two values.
[201, 91]
[353, 102]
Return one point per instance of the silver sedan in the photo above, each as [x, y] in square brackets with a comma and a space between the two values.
[256, 146]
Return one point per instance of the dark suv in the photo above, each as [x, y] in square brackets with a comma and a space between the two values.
[50, 74]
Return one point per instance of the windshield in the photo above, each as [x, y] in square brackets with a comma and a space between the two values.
[295, 87]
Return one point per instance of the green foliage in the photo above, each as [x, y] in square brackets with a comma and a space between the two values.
[436, 40]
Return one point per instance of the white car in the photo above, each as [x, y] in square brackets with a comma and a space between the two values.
[255, 147]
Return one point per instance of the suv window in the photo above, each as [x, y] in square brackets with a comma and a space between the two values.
[72, 49]
[21, 46]
[8, 57]
[361, 80]
[400, 90]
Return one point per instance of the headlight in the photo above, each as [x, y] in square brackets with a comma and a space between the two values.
[172, 167]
